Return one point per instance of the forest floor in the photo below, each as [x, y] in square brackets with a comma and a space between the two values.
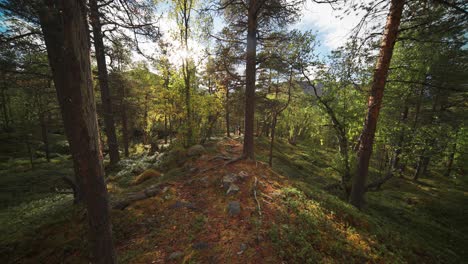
[278, 215]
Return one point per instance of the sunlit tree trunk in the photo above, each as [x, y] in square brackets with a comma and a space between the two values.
[375, 100]
[64, 26]
[106, 98]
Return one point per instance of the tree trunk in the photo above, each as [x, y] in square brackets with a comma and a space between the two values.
[419, 166]
[106, 98]
[228, 128]
[396, 156]
[375, 101]
[272, 140]
[64, 27]
[451, 159]
[250, 72]
[44, 133]
[6, 118]
[123, 108]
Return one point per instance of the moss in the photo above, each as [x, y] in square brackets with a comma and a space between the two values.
[146, 175]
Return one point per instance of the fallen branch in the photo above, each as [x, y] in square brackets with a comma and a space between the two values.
[133, 197]
[375, 186]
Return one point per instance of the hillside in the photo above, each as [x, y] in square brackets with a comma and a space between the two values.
[209, 211]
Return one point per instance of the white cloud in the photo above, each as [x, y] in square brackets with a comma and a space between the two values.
[333, 32]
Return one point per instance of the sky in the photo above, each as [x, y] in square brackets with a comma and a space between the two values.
[322, 19]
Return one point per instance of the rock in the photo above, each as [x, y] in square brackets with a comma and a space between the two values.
[234, 208]
[233, 189]
[146, 175]
[196, 150]
[243, 175]
[180, 204]
[200, 245]
[243, 247]
[176, 255]
[229, 179]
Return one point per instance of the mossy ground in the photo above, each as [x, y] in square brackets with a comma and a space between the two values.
[404, 222]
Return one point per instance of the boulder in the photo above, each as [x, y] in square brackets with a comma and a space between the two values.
[196, 150]
[233, 189]
[176, 255]
[234, 208]
[229, 179]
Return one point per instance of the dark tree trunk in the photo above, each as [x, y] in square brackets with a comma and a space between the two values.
[396, 156]
[44, 131]
[451, 159]
[123, 108]
[248, 150]
[272, 140]
[228, 127]
[6, 117]
[64, 27]
[419, 166]
[375, 101]
[106, 98]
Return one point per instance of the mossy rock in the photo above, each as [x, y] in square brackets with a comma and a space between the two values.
[146, 175]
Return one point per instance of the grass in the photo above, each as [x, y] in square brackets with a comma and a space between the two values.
[405, 222]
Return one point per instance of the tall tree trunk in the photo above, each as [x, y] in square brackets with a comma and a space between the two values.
[123, 107]
[6, 117]
[451, 159]
[272, 140]
[106, 98]
[250, 72]
[396, 156]
[375, 101]
[228, 128]
[419, 166]
[44, 133]
[64, 27]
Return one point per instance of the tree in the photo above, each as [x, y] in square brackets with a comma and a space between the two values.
[261, 16]
[374, 103]
[65, 32]
[104, 83]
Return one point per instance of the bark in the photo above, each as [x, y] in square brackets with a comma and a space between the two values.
[44, 133]
[64, 27]
[228, 128]
[124, 118]
[451, 159]
[248, 150]
[396, 156]
[106, 98]
[6, 117]
[375, 101]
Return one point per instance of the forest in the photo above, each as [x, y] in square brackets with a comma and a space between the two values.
[233, 131]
